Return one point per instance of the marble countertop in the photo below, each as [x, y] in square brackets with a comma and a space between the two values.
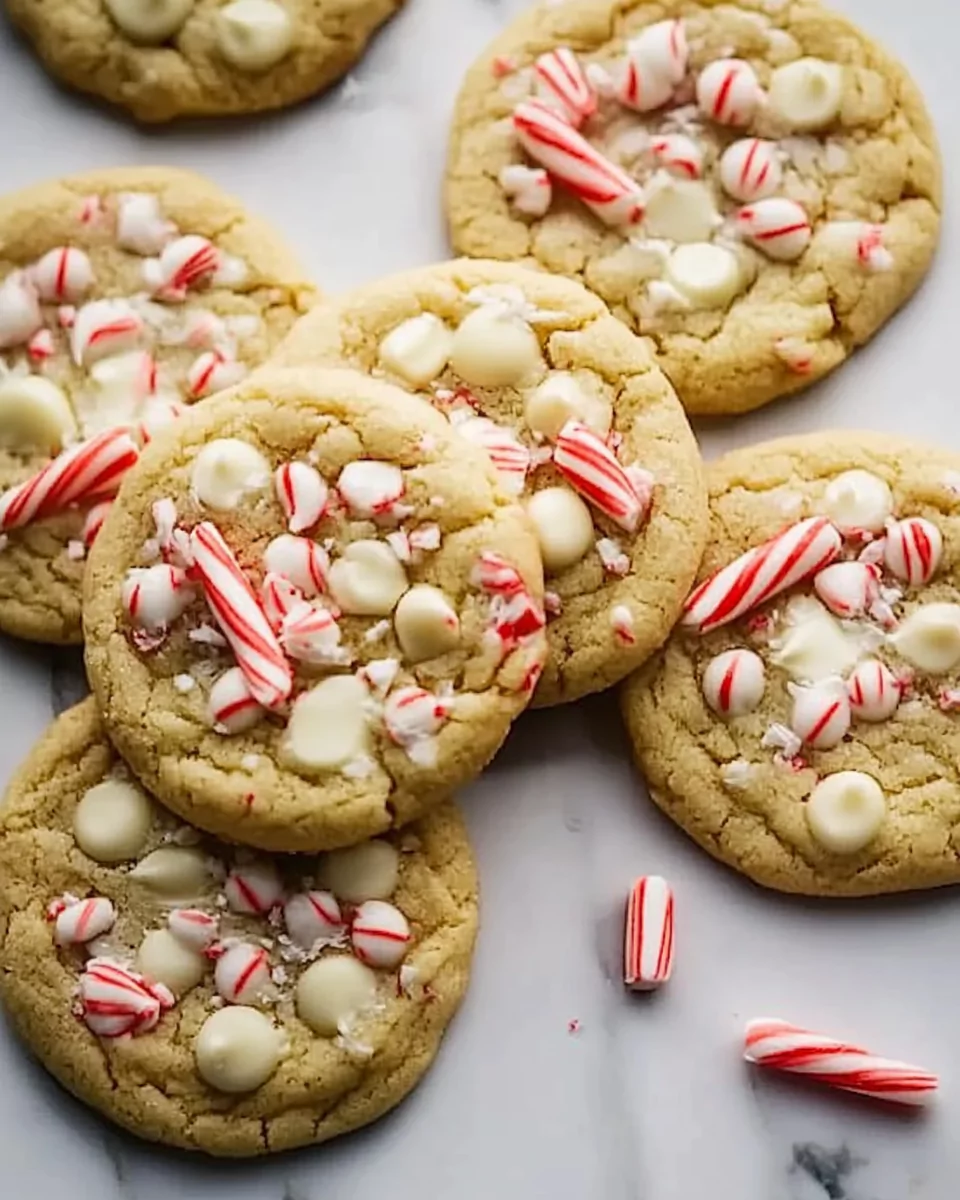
[648, 1099]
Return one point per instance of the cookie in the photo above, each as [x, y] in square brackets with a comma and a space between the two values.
[754, 186]
[209, 999]
[580, 424]
[312, 613]
[124, 296]
[801, 723]
[162, 59]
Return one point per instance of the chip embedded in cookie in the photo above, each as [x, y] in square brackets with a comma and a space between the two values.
[801, 722]
[581, 425]
[312, 612]
[755, 186]
[125, 296]
[209, 998]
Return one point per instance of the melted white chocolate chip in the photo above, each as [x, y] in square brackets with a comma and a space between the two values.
[368, 579]
[237, 1049]
[563, 525]
[149, 22]
[418, 349]
[328, 725]
[805, 95]
[367, 871]
[425, 623]
[163, 959]
[561, 398]
[254, 34]
[707, 276]
[34, 413]
[858, 500]
[333, 991]
[112, 821]
[680, 210]
[930, 638]
[174, 872]
[494, 349]
[814, 645]
[845, 811]
[226, 471]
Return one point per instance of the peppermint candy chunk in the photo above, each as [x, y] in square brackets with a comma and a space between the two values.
[253, 889]
[562, 83]
[20, 315]
[511, 459]
[380, 935]
[141, 226]
[311, 634]
[648, 937]
[154, 597]
[93, 522]
[232, 707]
[81, 921]
[193, 928]
[211, 372]
[492, 573]
[242, 974]
[589, 465]
[729, 92]
[733, 682]
[313, 917]
[187, 262]
[412, 716]
[104, 327]
[848, 589]
[821, 714]
[279, 598]
[302, 493]
[370, 489]
[874, 691]
[912, 550]
[301, 561]
[528, 188]
[115, 1001]
[656, 64]
[780, 228]
[750, 169]
[63, 274]
[678, 154]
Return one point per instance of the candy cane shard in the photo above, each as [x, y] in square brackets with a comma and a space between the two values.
[551, 141]
[786, 559]
[88, 472]
[242, 620]
[562, 83]
[115, 1001]
[648, 937]
[786, 1047]
[585, 460]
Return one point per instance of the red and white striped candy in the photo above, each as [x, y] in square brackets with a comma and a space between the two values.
[874, 691]
[562, 83]
[311, 634]
[912, 550]
[104, 327]
[91, 210]
[821, 714]
[678, 154]
[495, 575]
[515, 618]
[425, 537]
[254, 888]
[242, 974]
[41, 346]
[184, 263]
[93, 522]
[729, 92]
[872, 255]
[413, 715]
[242, 620]
[509, 456]
[380, 935]
[233, 708]
[777, 226]
[302, 493]
[733, 682]
[301, 561]
[212, 372]
[193, 928]
[621, 622]
[313, 917]
[773, 1043]
[90, 471]
[750, 169]
[83, 920]
[610, 192]
[648, 938]
[157, 413]
[370, 489]
[279, 598]
[848, 589]
[20, 315]
[585, 460]
[154, 597]
[656, 63]
[115, 1002]
[763, 572]
[62, 274]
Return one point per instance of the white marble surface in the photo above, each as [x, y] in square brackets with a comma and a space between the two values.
[649, 1099]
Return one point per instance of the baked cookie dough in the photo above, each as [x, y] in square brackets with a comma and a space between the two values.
[163, 59]
[205, 998]
[580, 424]
[124, 296]
[801, 723]
[755, 186]
[312, 613]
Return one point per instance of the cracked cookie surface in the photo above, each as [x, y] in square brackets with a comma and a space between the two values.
[149, 1081]
[739, 769]
[747, 324]
[613, 592]
[178, 58]
[379, 628]
[93, 336]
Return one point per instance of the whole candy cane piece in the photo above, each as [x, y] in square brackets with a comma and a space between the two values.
[611, 193]
[763, 572]
[563, 84]
[773, 1043]
[648, 938]
[90, 471]
[585, 460]
[241, 618]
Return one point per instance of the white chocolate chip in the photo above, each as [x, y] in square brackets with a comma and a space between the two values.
[149, 22]
[141, 226]
[562, 398]
[226, 471]
[563, 525]
[680, 210]
[805, 95]
[814, 646]
[174, 872]
[237, 1049]
[418, 349]
[845, 811]
[333, 991]
[426, 623]
[494, 349]
[34, 413]
[930, 638]
[707, 276]
[328, 725]
[367, 871]
[254, 34]
[112, 821]
[368, 579]
[858, 500]
[163, 959]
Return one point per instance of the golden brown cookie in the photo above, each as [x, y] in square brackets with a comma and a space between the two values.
[208, 999]
[124, 296]
[756, 186]
[511, 356]
[801, 723]
[312, 613]
[163, 59]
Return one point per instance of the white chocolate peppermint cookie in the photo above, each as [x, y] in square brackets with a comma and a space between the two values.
[820, 649]
[191, 1011]
[523, 365]
[126, 295]
[700, 166]
[163, 59]
[368, 664]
